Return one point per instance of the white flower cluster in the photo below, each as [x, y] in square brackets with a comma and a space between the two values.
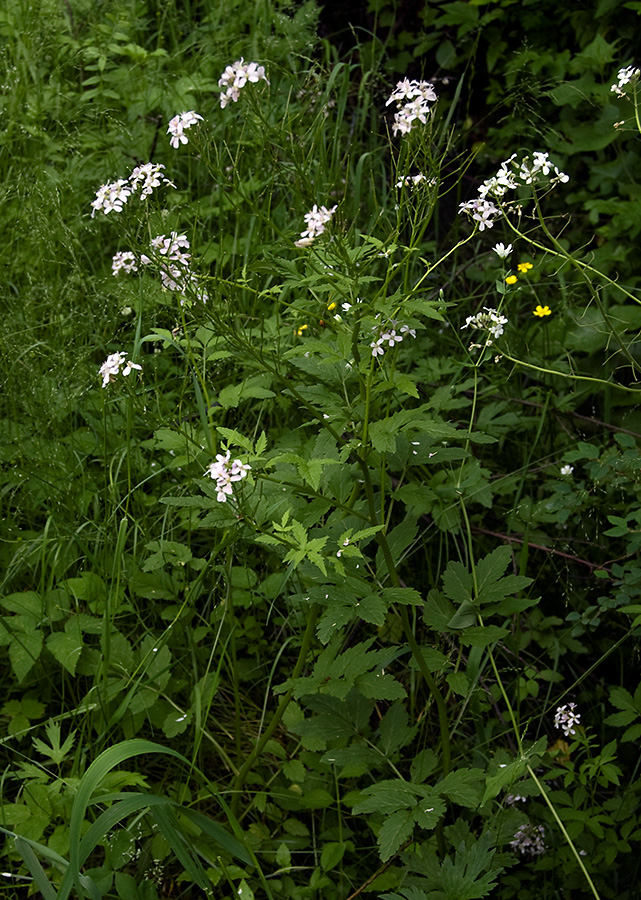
[412, 181]
[413, 99]
[489, 320]
[179, 124]
[529, 170]
[316, 220]
[112, 197]
[529, 840]
[236, 77]
[172, 261]
[111, 367]
[628, 75]
[391, 337]
[124, 261]
[224, 472]
[482, 211]
[566, 719]
[532, 169]
[174, 264]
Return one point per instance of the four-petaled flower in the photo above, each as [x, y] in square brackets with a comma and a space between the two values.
[177, 127]
[489, 320]
[482, 211]
[541, 311]
[113, 364]
[224, 472]
[566, 719]
[236, 77]
[317, 218]
[413, 99]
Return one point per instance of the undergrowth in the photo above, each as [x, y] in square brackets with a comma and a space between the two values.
[320, 472]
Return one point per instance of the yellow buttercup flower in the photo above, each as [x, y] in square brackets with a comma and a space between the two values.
[301, 331]
[523, 267]
[511, 279]
[331, 306]
[541, 311]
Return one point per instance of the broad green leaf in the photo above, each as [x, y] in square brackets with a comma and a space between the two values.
[463, 786]
[423, 765]
[331, 854]
[406, 596]
[380, 687]
[332, 620]
[66, 648]
[388, 796]
[26, 603]
[458, 584]
[371, 609]
[483, 635]
[394, 832]
[429, 810]
[355, 760]
[438, 611]
[234, 438]
[24, 652]
[394, 730]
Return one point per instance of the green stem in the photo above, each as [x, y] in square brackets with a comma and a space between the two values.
[276, 719]
[536, 780]
[571, 375]
[446, 762]
[586, 874]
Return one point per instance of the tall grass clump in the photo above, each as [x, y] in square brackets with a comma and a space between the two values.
[320, 492]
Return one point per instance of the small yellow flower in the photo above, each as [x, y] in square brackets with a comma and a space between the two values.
[511, 279]
[301, 331]
[541, 311]
[523, 267]
[331, 306]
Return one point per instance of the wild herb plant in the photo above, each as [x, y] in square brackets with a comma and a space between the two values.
[317, 561]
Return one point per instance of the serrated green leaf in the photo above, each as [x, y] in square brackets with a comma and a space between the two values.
[371, 609]
[234, 438]
[24, 652]
[423, 765]
[332, 620]
[429, 811]
[438, 611]
[395, 830]
[458, 584]
[380, 687]
[463, 786]
[483, 635]
[465, 616]
[394, 730]
[387, 797]
[66, 648]
[406, 596]
[283, 856]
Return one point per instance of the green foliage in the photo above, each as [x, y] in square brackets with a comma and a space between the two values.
[336, 591]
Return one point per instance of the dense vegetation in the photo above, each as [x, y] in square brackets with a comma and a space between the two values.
[320, 483]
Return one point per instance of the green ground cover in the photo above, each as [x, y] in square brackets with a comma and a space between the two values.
[319, 487]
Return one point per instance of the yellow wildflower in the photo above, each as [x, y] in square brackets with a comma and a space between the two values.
[511, 279]
[541, 311]
[300, 331]
[523, 267]
[332, 306]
